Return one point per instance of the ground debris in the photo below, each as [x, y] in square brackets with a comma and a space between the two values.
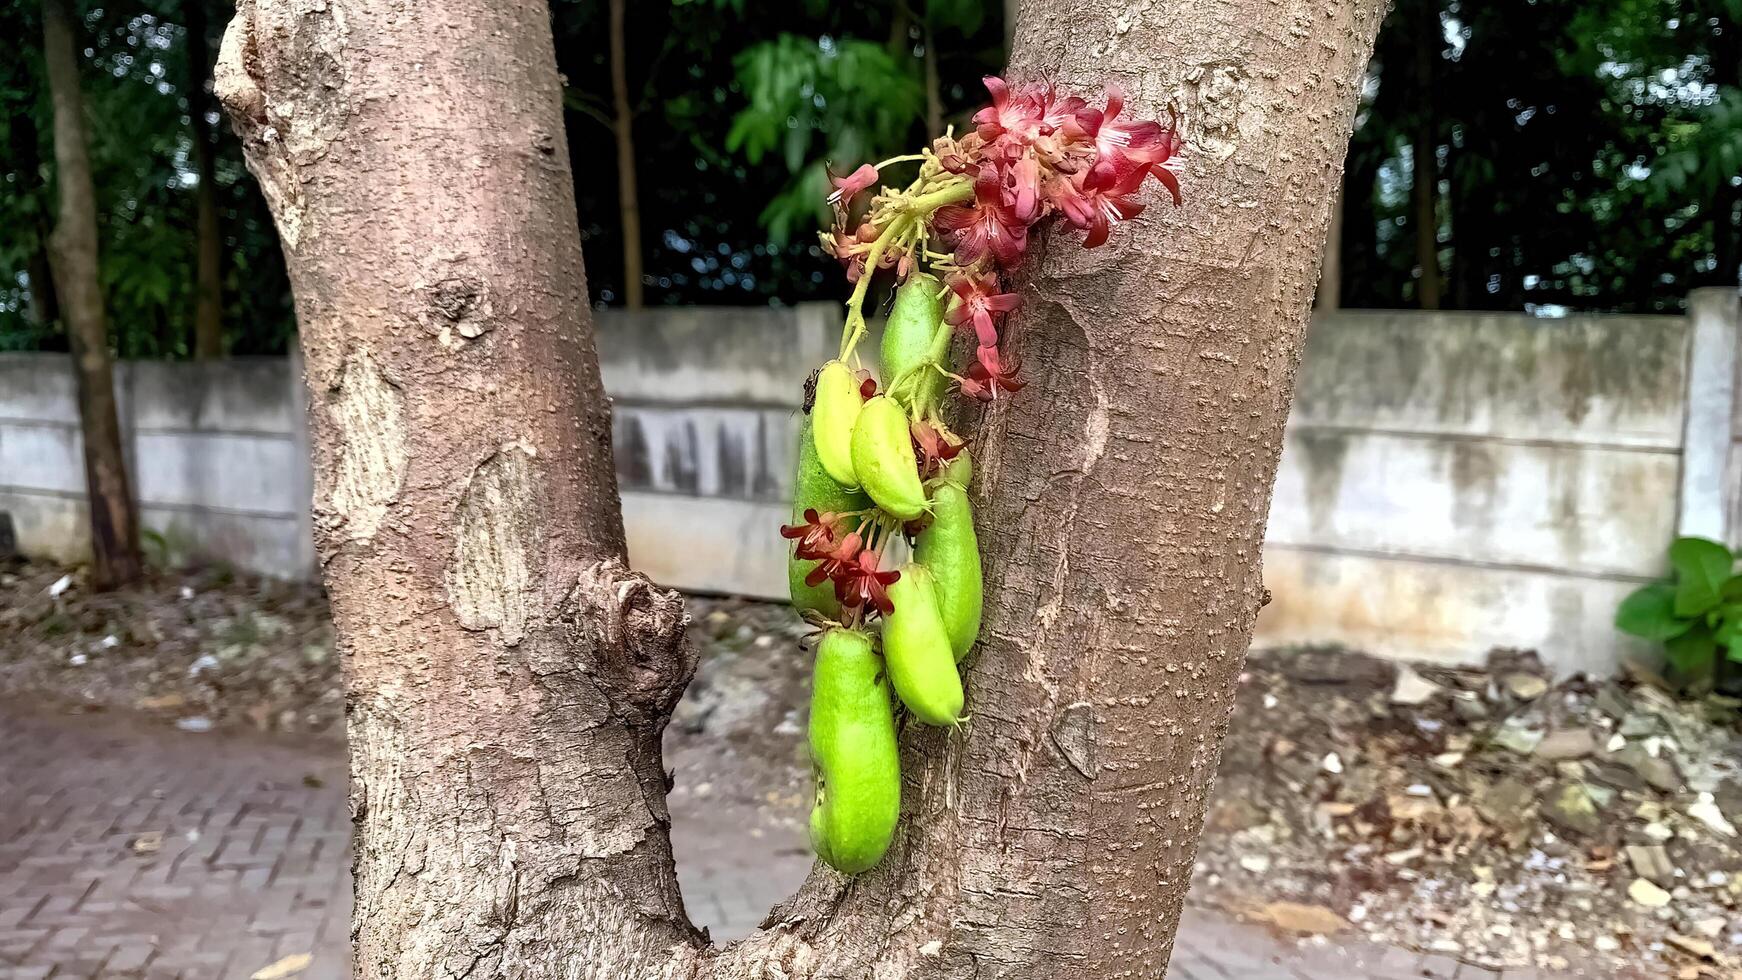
[1500, 818]
[208, 647]
[1468, 813]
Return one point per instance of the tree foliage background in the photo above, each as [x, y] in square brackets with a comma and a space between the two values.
[1586, 154]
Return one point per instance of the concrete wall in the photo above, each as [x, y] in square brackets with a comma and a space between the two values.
[214, 451]
[1449, 483]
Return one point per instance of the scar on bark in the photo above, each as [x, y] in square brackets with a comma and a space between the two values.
[492, 577]
[641, 654]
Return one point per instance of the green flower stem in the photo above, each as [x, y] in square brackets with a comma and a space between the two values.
[956, 193]
[855, 327]
[916, 212]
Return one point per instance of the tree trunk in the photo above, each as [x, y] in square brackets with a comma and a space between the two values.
[209, 242]
[44, 305]
[1010, 11]
[934, 96]
[628, 194]
[508, 679]
[1330, 292]
[78, 287]
[42, 308]
[1424, 156]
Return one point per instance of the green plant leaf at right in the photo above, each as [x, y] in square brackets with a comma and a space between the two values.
[1692, 653]
[1649, 613]
[1702, 567]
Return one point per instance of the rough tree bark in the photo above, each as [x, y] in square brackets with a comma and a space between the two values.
[208, 238]
[628, 190]
[78, 288]
[508, 678]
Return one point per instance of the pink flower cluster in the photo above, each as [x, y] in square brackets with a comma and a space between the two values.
[1032, 154]
[833, 541]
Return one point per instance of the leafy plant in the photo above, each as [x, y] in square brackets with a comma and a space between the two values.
[1695, 613]
[812, 101]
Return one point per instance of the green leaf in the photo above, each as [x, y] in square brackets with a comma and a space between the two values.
[1692, 652]
[1650, 613]
[1702, 567]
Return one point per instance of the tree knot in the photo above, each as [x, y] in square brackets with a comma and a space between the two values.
[641, 656]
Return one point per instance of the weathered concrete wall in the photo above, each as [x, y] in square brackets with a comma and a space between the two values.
[215, 459]
[1456, 482]
[1450, 482]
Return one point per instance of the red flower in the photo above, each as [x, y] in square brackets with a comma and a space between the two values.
[818, 534]
[852, 249]
[837, 561]
[1122, 143]
[1090, 203]
[1009, 113]
[991, 225]
[980, 304]
[958, 156]
[933, 448]
[853, 183]
[861, 584]
[988, 375]
[1029, 113]
[1024, 181]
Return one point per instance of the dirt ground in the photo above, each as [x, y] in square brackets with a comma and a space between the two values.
[1486, 816]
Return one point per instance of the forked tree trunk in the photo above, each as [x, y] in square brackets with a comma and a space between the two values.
[78, 288]
[208, 237]
[508, 679]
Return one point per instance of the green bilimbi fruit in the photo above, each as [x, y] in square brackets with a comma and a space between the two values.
[949, 550]
[857, 764]
[922, 667]
[833, 412]
[814, 488]
[960, 470]
[909, 338]
[883, 459]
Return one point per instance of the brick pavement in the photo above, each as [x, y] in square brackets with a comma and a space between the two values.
[128, 849]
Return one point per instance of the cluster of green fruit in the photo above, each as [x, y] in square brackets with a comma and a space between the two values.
[880, 473]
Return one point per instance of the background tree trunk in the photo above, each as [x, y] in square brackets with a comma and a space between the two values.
[44, 305]
[79, 290]
[209, 241]
[1424, 154]
[1330, 291]
[934, 96]
[508, 679]
[628, 194]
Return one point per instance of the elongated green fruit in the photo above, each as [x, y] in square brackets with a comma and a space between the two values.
[813, 487]
[922, 667]
[835, 409]
[949, 550]
[908, 339]
[960, 470]
[857, 764]
[883, 458]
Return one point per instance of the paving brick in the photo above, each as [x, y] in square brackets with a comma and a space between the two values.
[249, 865]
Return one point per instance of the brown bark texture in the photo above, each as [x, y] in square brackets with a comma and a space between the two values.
[208, 237]
[628, 189]
[79, 291]
[508, 678]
